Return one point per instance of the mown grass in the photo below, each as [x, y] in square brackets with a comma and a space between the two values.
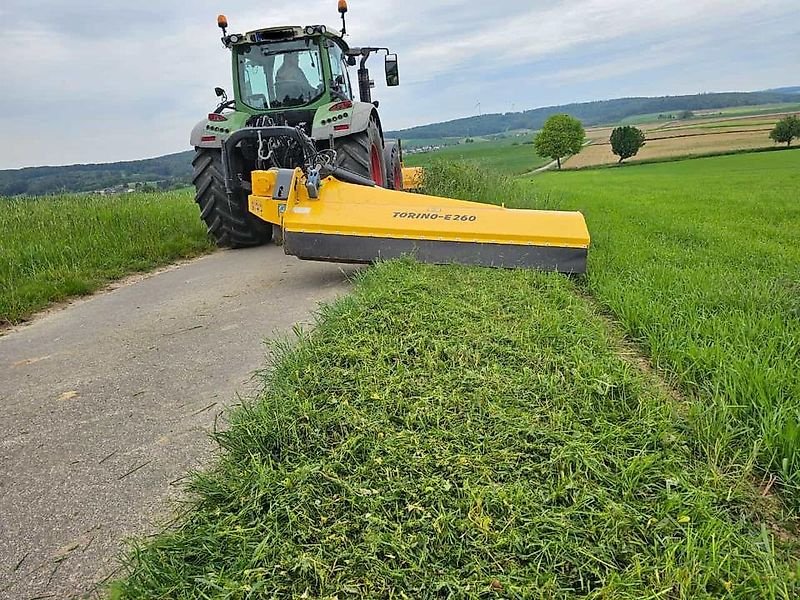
[510, 156]
[462, 433]
[56, 247]
[700, 263]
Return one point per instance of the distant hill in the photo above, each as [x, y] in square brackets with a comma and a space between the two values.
[786, 90]
[164, 172]
[175, 169]
[592, 113]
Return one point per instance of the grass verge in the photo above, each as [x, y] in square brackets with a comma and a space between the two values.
[57, 247]
[462, 433]
[700, 262]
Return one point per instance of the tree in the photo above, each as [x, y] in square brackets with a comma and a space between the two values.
[786, 130]
[560, 136]
[626, 141]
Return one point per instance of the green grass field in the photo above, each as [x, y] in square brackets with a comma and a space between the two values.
[759, 109]
[412, 143]
[57, 247]
[700, 261]
[510, 156]
[464, 433]
[449, 432]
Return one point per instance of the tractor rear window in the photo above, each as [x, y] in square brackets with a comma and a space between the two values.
[280, 75]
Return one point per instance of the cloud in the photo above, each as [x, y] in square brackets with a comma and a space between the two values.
[101, 81]
[545, 29]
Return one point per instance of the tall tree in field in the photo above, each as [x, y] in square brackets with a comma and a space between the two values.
[786, 130]
[561, 136]
[626, 141]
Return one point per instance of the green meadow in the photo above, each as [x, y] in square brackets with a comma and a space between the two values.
[57, 247]
[508, 156]
[699, 261]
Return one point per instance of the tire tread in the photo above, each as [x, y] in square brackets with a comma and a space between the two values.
[228, 222]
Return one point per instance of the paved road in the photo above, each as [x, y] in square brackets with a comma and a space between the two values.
[106, 404]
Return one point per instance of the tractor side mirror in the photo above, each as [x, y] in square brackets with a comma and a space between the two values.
[222, 95]
[392, 71]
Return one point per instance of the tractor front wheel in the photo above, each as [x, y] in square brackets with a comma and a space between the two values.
[362, 154]
[228, 219]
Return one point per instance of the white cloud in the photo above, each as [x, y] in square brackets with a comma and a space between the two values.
[546, 29]
[97, 81]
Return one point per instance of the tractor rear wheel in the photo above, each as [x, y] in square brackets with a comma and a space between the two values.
[229, 221]
[362, 154]
[394, 165]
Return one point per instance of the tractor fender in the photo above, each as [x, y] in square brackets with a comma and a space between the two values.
[362, 113]
[199, 131]
[356, 120]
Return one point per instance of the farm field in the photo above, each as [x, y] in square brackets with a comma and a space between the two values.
[699, 261]
[734, 111]
[757, 109]
[492, 441]
[683, 138]
[510, 156]
[502, 438]
[62, 246]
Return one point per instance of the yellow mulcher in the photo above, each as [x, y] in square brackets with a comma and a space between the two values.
[326, 213]
[297, 156]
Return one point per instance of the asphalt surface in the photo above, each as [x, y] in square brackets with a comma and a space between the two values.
[106, 405]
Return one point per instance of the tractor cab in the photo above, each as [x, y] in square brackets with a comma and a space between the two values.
[288, 67]
[281, 68]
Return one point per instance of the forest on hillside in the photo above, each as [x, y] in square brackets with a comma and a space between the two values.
[174, 170]
[592, 113]
[164, 172]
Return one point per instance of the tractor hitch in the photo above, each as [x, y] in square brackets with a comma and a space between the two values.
[316, 165]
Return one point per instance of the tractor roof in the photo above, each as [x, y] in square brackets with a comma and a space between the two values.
[284, 33]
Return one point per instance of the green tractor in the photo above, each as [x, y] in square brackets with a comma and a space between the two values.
[288, 77]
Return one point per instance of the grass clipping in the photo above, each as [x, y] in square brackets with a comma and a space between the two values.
[459, 433]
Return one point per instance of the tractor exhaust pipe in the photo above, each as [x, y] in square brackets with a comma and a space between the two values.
[364, 82]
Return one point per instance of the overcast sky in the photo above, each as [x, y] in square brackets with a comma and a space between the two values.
[99, 81]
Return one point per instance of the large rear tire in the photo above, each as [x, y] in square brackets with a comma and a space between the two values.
[362, 154]
[394, 165]
[229, 222]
